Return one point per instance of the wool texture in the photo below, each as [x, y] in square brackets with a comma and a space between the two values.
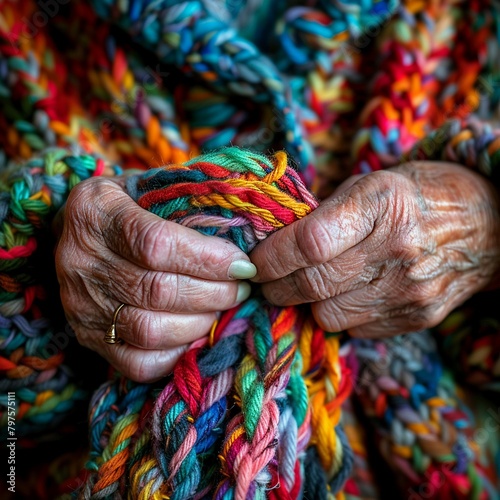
[254, 410]
[101, 87]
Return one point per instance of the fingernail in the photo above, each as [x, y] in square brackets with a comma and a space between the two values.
[244, 290]
[242, 270]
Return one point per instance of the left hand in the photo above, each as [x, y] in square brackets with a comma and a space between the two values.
[391, 252]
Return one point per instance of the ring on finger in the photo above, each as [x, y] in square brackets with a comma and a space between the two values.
[111, 336]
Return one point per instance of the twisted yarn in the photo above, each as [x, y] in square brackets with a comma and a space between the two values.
[337, 84]
[31, 362]
[424, 429]
[362, 484]
[191, 36]
[253, 411]
[470, 340]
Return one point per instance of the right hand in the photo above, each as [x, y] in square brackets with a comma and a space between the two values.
[172, 278]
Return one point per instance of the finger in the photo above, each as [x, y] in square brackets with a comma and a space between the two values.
[382, 329]
[337, 225]
[347, 311]
[370, 323]
[141, 365]
[123, 281]
[151, 242]
[380, 317]
[352, 270]
[159, 331]
[377, 301]
[418, 320]
[408, 306]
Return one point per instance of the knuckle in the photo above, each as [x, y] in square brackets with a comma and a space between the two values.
[375, 191]
[311, 285]
[419, 319]
[207, 258]
[423, 294]
[390, 195]
[158, 291]
[64, 257]
[217, 296]
[387, 183]
[425, 317]
[314, 242]
[79, 196]
[275, 294]
[147, 333]
[330, 317]
[406, 244]
[383, 179]
[84, 212]
[69, 302]
[83, 199]
[150, 242]
[397, 312]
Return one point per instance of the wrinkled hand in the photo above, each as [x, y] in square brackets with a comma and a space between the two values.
[390, 252]
[172, 278]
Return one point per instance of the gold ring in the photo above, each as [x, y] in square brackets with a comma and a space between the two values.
[111, 337]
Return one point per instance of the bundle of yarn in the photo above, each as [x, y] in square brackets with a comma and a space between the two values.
[254, 410]
[80, 97]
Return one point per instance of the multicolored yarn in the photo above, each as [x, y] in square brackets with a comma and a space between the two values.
[127, 117]
[425, 431]
[471, 341]
[253, 411]
[421, 83]
[485, 413]
[336, 84]
[362, 484]
[31, 362]
[190, 36]
[470, 142]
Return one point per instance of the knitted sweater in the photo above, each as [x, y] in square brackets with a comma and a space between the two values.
[89, 90]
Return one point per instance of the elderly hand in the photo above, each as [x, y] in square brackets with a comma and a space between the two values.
[172, 278]
[390, 252]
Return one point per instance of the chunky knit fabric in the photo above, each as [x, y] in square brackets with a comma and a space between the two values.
[252, 409]
[342, 87]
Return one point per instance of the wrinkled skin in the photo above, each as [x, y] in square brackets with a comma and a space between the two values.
[172, 278]
[388, 253]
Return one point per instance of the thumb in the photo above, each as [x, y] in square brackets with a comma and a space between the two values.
[338, 224]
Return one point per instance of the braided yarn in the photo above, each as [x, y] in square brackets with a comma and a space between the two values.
[470, 339]
[424, 429]
[344, 87]
[253, 411]
[190, 36]
[31, 362]
[362, 485]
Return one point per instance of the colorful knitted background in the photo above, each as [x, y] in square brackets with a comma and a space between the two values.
[342, 87]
